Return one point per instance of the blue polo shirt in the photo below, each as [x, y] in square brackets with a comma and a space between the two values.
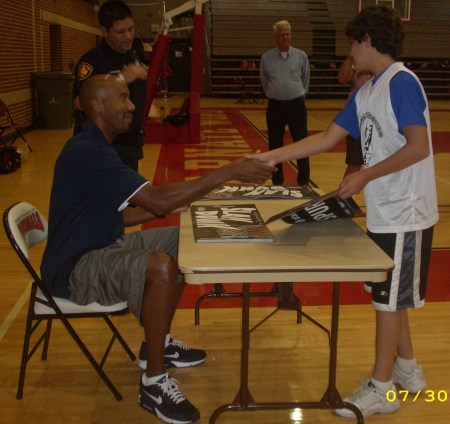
[90, 188]
[285, 78]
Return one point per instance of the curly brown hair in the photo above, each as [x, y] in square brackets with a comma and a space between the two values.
[384, 27]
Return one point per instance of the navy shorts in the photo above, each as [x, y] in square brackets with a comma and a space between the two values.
[406, 285]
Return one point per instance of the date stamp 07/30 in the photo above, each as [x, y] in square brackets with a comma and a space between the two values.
[428, 396]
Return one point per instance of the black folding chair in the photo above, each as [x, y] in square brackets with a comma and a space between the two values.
[26, 227]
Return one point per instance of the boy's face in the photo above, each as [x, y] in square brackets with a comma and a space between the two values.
[359, 53]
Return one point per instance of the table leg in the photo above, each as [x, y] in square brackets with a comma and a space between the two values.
[287, 300]
[331, 395]
[331, 398]
[244, 395]
[243, 398]
[217, 291]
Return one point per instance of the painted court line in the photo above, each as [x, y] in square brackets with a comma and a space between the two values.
[14, 312]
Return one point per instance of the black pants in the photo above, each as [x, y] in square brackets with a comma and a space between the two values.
[293, 114]
[128, 154]
[354, 155]
[129, 146]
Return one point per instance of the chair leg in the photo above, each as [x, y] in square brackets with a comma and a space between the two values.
[26, 142]
[91, 359]
[23, 368]
[29, 329]
[119, 337]
[26, 346]
[47, 339]
[28, 351]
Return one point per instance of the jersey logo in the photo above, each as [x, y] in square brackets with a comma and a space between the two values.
[84, 70]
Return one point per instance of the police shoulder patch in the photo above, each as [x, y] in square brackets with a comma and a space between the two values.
[84, 70]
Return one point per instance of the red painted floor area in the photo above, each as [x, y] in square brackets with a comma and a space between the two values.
[172, 167]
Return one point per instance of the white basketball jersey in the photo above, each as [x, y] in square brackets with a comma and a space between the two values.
[405, 200]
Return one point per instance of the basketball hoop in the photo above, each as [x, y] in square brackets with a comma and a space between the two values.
[403, 7]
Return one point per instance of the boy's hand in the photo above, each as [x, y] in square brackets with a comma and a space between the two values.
[352, 184]
[262, 157]
[248, 170]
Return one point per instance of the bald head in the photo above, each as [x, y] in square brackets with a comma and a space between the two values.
[97, 88]
[104, 99]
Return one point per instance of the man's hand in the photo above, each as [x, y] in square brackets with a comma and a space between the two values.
[133, 71]
[176, 196]
[180, 209]
[248, 170]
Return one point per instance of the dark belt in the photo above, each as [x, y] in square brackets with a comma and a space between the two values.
[286, 102]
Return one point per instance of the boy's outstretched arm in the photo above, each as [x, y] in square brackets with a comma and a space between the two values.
[309, 146]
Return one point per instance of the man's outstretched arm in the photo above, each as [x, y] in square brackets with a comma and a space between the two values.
[168, 198]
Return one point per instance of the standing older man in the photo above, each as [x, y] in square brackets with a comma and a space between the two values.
[284, 73]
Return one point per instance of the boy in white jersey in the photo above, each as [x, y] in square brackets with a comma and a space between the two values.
[390, 114]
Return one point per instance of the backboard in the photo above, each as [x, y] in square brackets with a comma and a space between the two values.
[403, 7]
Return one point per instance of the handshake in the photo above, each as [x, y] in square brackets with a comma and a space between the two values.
[249, 169]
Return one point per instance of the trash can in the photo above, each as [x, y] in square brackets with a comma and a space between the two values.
[54, 99]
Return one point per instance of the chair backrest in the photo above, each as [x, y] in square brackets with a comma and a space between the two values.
[5, 123]
[3, 108]
[25, 227]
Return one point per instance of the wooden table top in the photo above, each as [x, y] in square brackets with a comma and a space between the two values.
[335, 250]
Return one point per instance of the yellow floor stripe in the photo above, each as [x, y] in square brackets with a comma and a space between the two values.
[14, 312]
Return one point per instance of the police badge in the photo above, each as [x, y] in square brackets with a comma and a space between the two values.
[84, 70]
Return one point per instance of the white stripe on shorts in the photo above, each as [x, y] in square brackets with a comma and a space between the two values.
[406, 277]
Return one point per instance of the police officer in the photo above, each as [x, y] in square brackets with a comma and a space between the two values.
[115, 55]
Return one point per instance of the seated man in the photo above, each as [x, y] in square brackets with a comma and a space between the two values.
[88, 257]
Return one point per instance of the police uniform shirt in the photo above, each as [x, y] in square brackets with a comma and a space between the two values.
[104, 60]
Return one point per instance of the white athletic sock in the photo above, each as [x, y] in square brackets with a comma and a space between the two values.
[406, 365]
[147, 381]
[168, 337]
[383, 386]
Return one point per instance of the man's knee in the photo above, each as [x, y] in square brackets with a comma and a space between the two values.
[161, 267]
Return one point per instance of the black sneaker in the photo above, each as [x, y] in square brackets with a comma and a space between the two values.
[165, 400]
[176, 355]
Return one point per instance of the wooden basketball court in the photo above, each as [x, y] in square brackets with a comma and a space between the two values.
[288, 360]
